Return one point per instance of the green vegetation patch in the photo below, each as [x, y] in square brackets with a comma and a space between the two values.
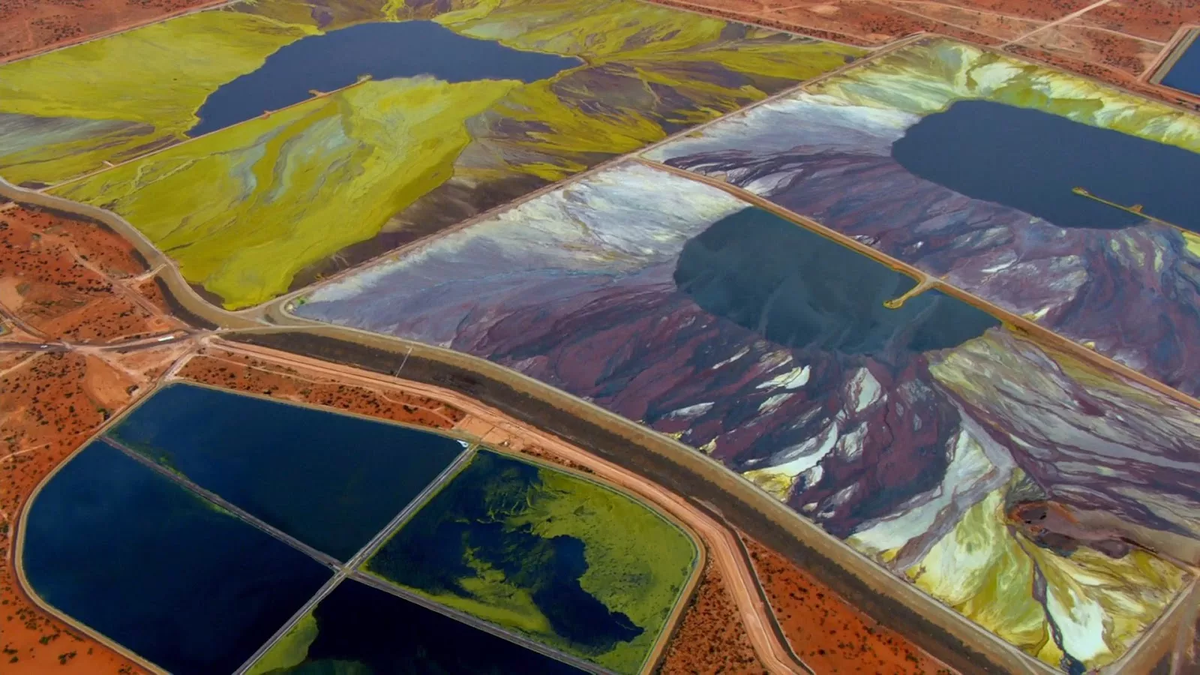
[545, 554]
[291, 650]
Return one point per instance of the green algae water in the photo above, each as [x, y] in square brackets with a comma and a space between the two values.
[546, 555]
[362, 630]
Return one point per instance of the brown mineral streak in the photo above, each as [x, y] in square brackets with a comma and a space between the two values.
[829, 634]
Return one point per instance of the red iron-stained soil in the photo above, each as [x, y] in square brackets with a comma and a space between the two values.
[251, 374]
[30, 26]
[1148, 19]
[827, 633]
[71, 285]
[73, 280]
[1112, 57]
[711, 638]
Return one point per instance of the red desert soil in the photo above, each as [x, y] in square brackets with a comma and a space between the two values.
[73, 280]
[1100, 53]
[29, 26]
[73, 285]
[1148, 19]
[711, 638]
[251, 374]
[828, 634]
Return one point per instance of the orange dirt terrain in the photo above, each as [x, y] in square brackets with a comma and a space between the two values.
[827, 633]
[256, 375]
[30, 26]
[64, 279]
[1116, 42]
[711, 638]
[1148, 19]
[68, 289]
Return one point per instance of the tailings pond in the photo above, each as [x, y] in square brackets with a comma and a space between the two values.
[359, 629]
[124, 550]
[1031, 160]
[544, 554]
[801, 290]
[332, 481]
[1185, 74]
[382, 50]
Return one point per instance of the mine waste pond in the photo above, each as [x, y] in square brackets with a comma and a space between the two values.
[1185, 74]
[544, 554]
[801, 290]
[1031, 160]
[383, 51]
[330, 480]
[359, 629]
[131, 554]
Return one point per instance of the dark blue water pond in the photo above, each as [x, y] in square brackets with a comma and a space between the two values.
[363, 630]
[332, 481]
[381, 50]
[1185, 74]
[145, 562]
[801, 290]
[1030, 160]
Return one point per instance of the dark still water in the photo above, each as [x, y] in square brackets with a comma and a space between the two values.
[362, 630]
[332, 481]
[1185, 74]
[801, 290]
[145, 562]
[381, 50]
[1030, 160]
